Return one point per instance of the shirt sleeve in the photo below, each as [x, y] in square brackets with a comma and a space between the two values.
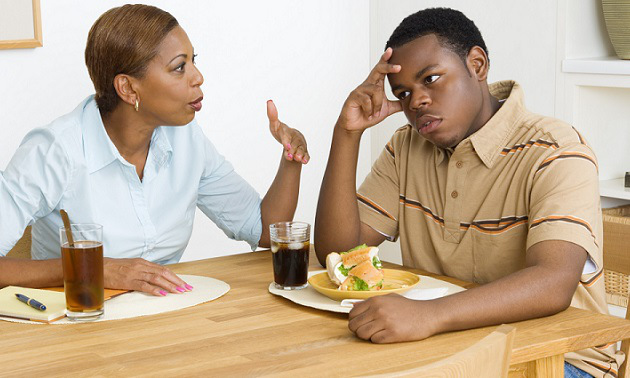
[32, 184]
[379, 194]
[228, 200]
[564, 202]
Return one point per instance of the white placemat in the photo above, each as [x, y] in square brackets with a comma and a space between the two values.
[428, 288]
[134, 304]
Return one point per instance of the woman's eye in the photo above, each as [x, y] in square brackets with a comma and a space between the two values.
[431, 79]
[180, 68]
[193, 58]
[403, 95]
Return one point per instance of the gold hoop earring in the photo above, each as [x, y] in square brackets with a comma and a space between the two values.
[137, 104]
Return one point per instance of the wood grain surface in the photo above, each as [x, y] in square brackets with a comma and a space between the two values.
[249, 332]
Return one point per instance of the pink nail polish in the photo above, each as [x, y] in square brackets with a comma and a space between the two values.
[180, 290]
[288, 146]
[187, 286]
[305, 160]
[290, 156]
[163, 293]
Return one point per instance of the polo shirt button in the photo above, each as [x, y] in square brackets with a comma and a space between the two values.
[459, 164]
[454, 194]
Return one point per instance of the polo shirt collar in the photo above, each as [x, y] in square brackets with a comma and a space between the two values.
[100, 151]
[492, 138]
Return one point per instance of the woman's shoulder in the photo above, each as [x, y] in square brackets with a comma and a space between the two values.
[63, 130]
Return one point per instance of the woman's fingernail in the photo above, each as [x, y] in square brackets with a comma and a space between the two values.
[163, 293]
[288, 146]
[305, 160]
[290, 156]
[299, 157]
[187, 286]
[180, 290]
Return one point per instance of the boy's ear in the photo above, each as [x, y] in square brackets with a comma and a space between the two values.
[124, 85]
[478, 63]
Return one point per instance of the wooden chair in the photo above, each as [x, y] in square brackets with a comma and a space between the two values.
[487, 358]
[22, 248]
[617, 266]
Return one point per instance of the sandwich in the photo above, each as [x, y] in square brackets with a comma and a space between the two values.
[358, 269]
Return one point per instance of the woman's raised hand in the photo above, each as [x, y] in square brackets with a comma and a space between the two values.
[292, 140]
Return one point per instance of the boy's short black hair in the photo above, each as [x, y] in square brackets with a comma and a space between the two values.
[454, 30]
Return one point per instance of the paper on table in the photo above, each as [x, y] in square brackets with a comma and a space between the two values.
[134, 304]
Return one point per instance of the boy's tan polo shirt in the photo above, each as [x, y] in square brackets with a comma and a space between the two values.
[473, 211]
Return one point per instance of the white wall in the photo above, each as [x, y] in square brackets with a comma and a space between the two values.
[521, 40]
[306, 56]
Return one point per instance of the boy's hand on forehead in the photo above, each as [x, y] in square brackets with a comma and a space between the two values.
[368, 105]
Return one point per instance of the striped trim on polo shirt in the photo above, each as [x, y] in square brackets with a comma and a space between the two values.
[522, 146]
[426, 210]
[373, 206]
[568, 219]
[566, 155]
[495, 226]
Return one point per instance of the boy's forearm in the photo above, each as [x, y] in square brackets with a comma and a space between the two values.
[530, 293]
[280, 202]
[337, 224]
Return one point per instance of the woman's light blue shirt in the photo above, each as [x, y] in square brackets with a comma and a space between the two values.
[72, 164]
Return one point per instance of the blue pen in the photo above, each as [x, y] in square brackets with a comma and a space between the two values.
[31, 302]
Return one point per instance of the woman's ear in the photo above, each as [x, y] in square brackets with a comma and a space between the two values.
[478, 63]
[124, 85]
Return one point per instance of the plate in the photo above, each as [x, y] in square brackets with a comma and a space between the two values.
[308, 297]
[395, 281]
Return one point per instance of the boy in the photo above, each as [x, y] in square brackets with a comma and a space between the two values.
[475, 186]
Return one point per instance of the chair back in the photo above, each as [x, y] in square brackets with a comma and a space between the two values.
[22, 249]
[617, 266]
[487, 358]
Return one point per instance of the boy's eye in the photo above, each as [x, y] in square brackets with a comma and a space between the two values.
[403, 95]
[431, 79]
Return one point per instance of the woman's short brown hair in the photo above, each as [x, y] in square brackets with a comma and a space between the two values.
[123, 41]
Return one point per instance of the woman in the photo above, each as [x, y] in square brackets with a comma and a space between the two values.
[113, 161]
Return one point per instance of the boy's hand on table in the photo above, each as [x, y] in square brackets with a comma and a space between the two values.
[292, 140]
[368, 105]
[142, 275]
[393, 318]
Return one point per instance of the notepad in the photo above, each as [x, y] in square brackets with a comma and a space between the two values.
[55, 303]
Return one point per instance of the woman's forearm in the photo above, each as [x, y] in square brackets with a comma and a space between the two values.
[30, 273]
[280, 202]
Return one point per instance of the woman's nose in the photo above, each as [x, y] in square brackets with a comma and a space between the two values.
[197, 79]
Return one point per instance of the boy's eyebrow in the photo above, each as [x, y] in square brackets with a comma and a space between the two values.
[418, 75]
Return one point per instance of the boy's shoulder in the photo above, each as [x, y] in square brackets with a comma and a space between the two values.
[555, 130]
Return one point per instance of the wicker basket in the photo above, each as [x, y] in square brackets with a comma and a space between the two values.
[617, 254]
[617, 16]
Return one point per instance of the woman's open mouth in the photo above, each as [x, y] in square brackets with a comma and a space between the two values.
[196, 105]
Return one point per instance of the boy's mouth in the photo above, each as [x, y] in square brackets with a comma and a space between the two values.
[427, 124]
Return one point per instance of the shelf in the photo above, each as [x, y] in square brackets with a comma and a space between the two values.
[614, 189]
[604, 65]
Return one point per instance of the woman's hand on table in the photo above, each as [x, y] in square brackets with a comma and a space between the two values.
[393, 318]
[292, 140]
[142, 275]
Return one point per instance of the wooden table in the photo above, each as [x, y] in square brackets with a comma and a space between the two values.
[249, 332]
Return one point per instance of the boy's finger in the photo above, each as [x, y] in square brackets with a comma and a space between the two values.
[394, 107]
[382, 68]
